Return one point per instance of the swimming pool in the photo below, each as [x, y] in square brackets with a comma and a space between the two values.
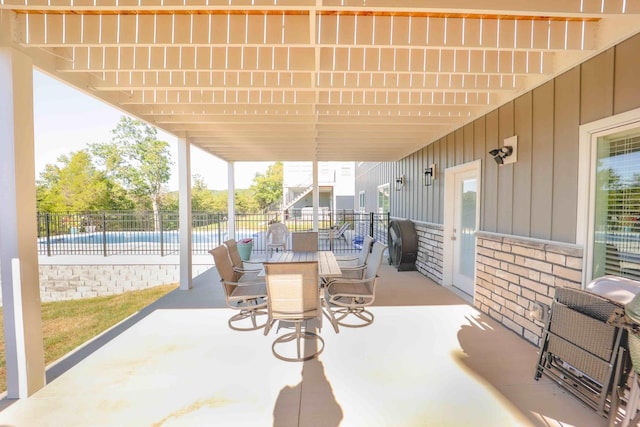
[134, 242]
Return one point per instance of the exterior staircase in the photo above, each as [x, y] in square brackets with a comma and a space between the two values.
[298, 198]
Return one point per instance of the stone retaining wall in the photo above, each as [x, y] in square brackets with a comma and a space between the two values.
[514, 274]
[65, 282]
[430, 247]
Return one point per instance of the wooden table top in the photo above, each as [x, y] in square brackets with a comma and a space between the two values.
[327, 263]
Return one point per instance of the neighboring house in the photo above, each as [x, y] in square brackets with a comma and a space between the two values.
[563, 212]
[335, 182]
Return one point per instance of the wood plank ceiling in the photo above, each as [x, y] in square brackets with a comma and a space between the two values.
[365, 80]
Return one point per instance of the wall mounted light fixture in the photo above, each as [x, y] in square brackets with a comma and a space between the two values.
[429, 175]
[508, 153]
[499, 154]
[400, 182]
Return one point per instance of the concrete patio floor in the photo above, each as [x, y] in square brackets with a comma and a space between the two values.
[429, 359]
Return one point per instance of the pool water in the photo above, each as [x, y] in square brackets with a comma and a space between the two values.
[113, 237]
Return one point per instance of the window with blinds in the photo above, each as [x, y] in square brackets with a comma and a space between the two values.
[617, 206]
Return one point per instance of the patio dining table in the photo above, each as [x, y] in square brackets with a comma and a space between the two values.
[328, 266]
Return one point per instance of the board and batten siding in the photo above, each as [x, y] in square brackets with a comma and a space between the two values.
[526, 244]
[537, 196]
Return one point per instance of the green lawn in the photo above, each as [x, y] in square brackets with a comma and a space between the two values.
[68, 324]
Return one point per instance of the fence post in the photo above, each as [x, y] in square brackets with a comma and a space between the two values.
[104, 233]
[219, 215]
[388, 221]
[330, 230]
[236, 222]
[160, 226]
[371, 219]
[48, 227]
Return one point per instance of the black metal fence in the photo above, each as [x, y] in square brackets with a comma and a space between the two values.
[140, 233]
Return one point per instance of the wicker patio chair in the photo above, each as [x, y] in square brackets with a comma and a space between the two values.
[624, 291]
[580, 346]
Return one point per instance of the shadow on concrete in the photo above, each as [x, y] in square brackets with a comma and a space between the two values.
[321, 407]
[508, 369]
[311, 401]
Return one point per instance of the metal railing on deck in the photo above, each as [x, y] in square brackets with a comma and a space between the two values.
[140, 233]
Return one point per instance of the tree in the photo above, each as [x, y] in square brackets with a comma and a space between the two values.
[202, 199]
[267, 188]
[170, 202]
[245, 201]
[75, 185]
[220, 201]
[138, 160]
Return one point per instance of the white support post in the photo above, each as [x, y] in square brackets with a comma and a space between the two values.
[184, 179]
[316, 195]
[231, 201]
[18, 228]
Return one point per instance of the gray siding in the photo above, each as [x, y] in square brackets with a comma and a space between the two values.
[626, 95]
[523, 108]
[490, 174]
[504, 214]
[541, 182]
[597, 87]
[565, 156]
[537, 196]
[344, 202]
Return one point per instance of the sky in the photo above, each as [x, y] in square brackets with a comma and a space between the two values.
[66, 120]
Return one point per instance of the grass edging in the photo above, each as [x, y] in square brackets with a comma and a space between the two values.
[70, 326]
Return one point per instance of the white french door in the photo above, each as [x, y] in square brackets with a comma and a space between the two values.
[462, 199]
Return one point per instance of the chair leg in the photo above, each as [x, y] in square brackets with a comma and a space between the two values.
[268, 326]
[300, 337]
[247, 314]
[298, 333]
[361, 313]
[329, 313]
[616, 388]
[632, 402]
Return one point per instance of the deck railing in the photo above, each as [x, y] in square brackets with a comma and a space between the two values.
[140, 233]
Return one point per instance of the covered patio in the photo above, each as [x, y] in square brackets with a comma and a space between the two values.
[429, 359]
[373, 82]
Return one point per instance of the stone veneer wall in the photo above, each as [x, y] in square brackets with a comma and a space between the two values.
[514, 273]
[65, 282]
[430, 246]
